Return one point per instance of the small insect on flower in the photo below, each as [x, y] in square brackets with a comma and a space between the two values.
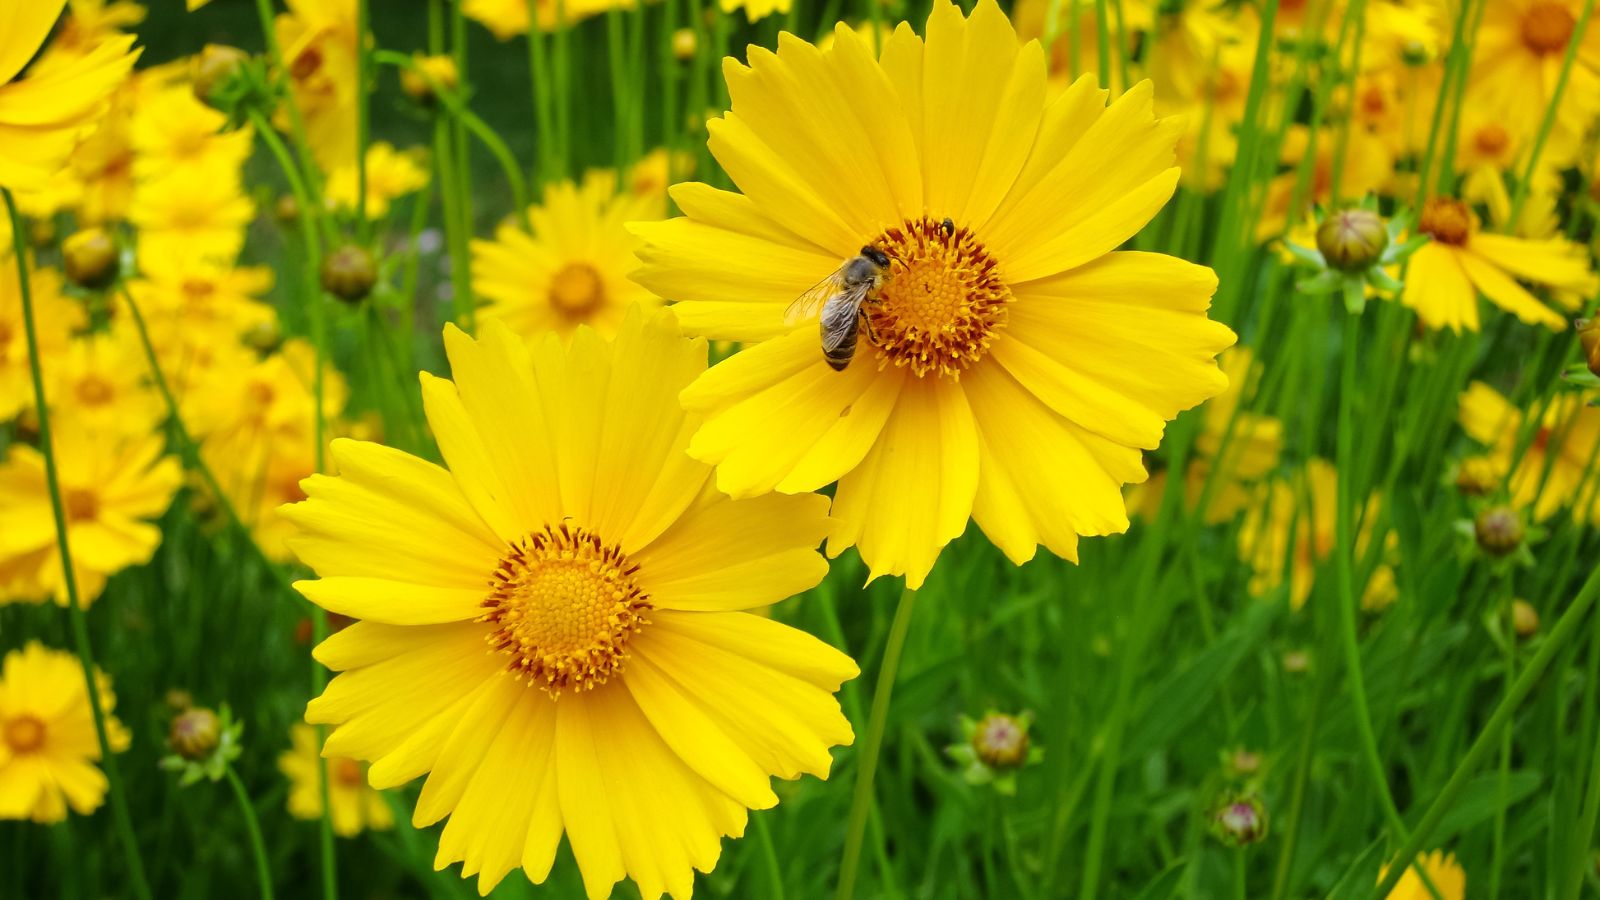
[839, 299]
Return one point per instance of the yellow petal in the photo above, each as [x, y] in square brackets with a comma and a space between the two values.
[23, 28]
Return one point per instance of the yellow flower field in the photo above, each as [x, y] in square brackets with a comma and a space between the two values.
[781, 449]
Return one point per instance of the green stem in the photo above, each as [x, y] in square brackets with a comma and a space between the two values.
[297, 124]
[1344, 569]
[769, 856]
[543, 111]
[1488, 738]
[1579, 862]
[363, 113]
[1297, 798]
[253, 828]
[1502, 789]
[80, 625]
[861, 803]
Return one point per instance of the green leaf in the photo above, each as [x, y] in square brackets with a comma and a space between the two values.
[1362, 876]
[1165, 884]
[1480, 798]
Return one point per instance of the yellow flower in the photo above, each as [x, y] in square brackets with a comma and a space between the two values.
[390, 175]
[102, 380]
[355, 806]
[48, 747]
[509, 18]
[554, 628]
[573, 270]
[1033, 21]
[1306, 516]
[318, 39]
[244, 408]
[191, 305]
[197, 214]
[1367, 166]
[1558, 454]
[42, 115]
[87, 25]
[1517, 58]
[172, 131]
[54, 314]
[755, 10]
[1448, 272]
[111, 485]
[1014, 367]
[1443, 870]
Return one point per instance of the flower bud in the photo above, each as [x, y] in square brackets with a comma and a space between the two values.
[1240, 821]
[263, 337]
[1001, 741]
[195, 733]
[286, 210]
[1296, 662]
[178, 700]
[416, 84]
[1498, 530]
[89, 258]
[349, 273]
[1242, 763]
[41, 233]
[212, 67]
[1352, 239]
[1589, 340]
[1524, 618]
[684, 43]
[1476, 476]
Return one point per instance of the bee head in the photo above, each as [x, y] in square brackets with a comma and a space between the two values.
[877, 256]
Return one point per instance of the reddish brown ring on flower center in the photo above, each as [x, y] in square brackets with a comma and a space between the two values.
[562, 606]
[576, 290]
[1492, 140]
[942, 303]
[1547, 27]
[1446, 220]
[347, 772]
[24, 734]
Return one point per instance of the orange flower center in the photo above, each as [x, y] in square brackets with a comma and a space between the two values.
[24, 734]
[95, 391]
[576, 290]
[1373, 101]
[1547, 27]
[563, 606]
[1446, 220]
[197, 291]
[346, 772]
[942, 303]
[81, 505]
[1492, 140]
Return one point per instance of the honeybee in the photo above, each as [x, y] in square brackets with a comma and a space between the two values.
[839, 299]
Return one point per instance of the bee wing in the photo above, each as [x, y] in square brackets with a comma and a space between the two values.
[839, 316]
[809, 304]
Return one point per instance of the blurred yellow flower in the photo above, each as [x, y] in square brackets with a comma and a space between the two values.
[41, 115]
[755, 10]
[190, 306]
[112, 485]
[1367, 166]
[626, 699]
[245, 407]
[574, 268]
[195, 215]
[1518, 53]
[173, 131]
[1012, 366]
[1443, 870]
[391, 174]
[102, 380]
[318, 41]
[509, 18]
[1448, 272]
[1551, 474]
[1305, 513]
[354, 805]
[48, 747]
[54, 314]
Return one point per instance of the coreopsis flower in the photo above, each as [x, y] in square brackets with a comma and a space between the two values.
[318, 41]
[55, 316]
[1443, 870]
[42, 113]
[172, 131]
[1368, 165]
[48, 747]
[1251, 452]
[1556, 459]
[352, 805]
[1012, 367]
[103, 381]
[112, 486]
[1295, 529]
[1518, 54]
[574, 268]
[1447, 274]
[554, 628]
[418, 83]
[198, 214]
[87, 25]
[391, 174]
[192, 305]
[509, 18]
